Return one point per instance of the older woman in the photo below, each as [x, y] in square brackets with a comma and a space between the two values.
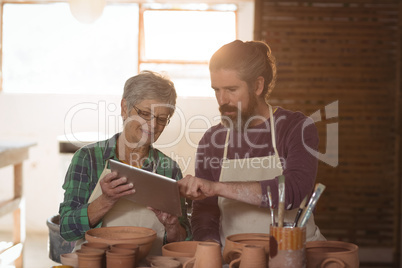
[93, 193]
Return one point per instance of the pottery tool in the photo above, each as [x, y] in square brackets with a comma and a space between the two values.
[271, 205]
[281, 206]
[319, 188]
[299, 212]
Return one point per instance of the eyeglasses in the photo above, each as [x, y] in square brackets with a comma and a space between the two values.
[163, 121]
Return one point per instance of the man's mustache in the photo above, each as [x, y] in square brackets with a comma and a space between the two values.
[227, 108]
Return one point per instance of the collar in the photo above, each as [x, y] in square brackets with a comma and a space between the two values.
[150, 163]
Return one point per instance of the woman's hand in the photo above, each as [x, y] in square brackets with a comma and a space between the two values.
[165, 218]
[114, 187]
[174, 231]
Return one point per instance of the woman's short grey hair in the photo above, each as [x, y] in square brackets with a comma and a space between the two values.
[149, 85]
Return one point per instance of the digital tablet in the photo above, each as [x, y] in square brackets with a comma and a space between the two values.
[151, 189]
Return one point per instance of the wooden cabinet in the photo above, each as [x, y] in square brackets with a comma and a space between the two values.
[14, 153]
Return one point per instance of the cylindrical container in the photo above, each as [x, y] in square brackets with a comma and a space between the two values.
[130, 246]
[207, 255]
[166, 264]
[56, 244]
[96, 245]
[70, 259]
[251, 256]
[287, 246]
[120, 258]
[90, 258]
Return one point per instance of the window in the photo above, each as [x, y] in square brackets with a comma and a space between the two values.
[183, 53]
[51, 52]
[54, 53]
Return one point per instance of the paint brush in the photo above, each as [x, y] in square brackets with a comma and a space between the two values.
[271, 205]
[299, 212]
[319, 188]
[281, 206]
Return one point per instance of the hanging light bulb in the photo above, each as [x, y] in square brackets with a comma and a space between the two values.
[87, 11]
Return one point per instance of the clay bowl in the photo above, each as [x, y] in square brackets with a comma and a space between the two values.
[238, 241]
[180, 249]
[69, 259]
[331, 254]
[143, 237]
[101, 246]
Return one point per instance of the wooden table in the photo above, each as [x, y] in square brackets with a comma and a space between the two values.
[14, 153]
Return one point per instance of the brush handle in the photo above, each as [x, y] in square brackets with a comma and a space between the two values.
[281, 214]
[271, 206]
[281, 206]
[299, 212]
[311, 205]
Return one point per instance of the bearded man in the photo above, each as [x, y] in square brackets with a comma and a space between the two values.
[254, 144]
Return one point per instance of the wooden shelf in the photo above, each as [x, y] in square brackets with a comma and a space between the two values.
[14, 153]
[9, 206]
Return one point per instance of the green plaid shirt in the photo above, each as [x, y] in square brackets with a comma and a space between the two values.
[82, 176]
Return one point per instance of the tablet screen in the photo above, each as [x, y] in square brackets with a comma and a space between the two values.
[153, 190]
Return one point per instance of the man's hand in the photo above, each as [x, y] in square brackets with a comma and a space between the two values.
[196, 189]
[114, 187]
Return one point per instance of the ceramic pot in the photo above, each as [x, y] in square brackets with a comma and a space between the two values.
[180, 249]
[120, 258]
[207, 255]
[251, 256]
[90, 258]
[152, 258]
[287, 246]
[238, 241]
[332, 254]
[95, 245]
[130, 246]
[143, 237]
[166, 264]
[182, 260]
[70, 259]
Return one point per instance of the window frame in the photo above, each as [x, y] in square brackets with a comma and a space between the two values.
[141, 30]
[141, 39]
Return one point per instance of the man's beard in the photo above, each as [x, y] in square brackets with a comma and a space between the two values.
[242, 117]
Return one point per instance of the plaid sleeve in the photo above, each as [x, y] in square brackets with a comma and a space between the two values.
[74, 209]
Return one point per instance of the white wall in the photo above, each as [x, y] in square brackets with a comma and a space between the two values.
[42, 118]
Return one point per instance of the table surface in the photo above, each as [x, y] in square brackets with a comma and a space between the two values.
[14, 145]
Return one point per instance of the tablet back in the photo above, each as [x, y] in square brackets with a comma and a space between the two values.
[153, 190]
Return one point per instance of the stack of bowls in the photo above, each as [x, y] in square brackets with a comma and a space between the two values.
[141, 236]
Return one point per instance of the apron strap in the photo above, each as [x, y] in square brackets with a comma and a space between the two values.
[225, 152]
[271, 119]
